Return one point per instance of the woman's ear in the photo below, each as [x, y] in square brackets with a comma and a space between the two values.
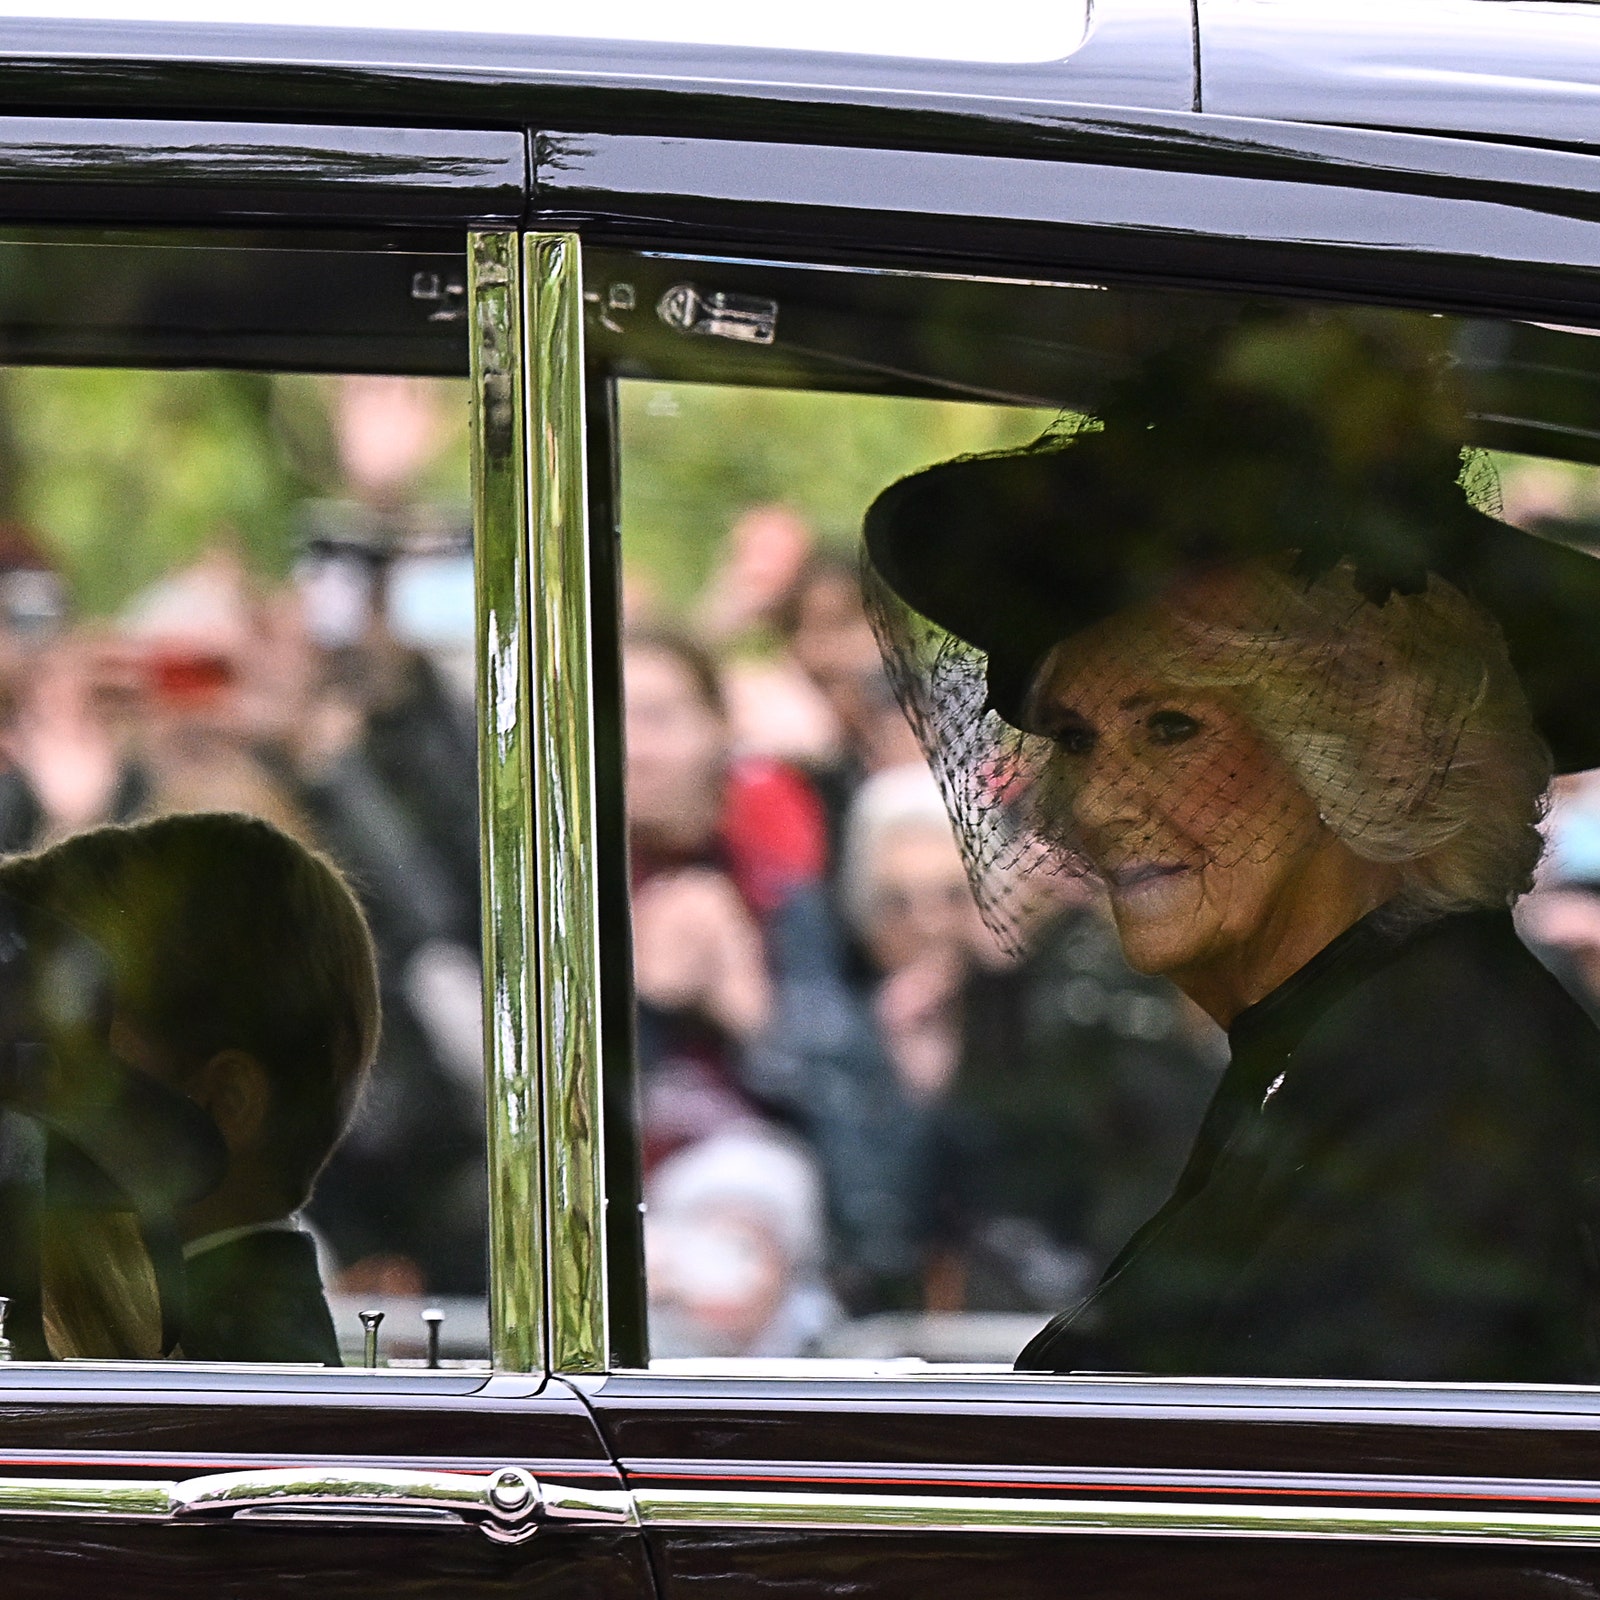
[234, 1088]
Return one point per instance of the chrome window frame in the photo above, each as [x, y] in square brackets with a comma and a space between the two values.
[513, 1100]
[548, 1300]
[567, 980]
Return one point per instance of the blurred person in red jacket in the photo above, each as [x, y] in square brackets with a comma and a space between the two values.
[719, 843]
[825, 630]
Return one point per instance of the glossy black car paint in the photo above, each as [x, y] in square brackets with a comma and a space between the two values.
[1229, 155]
[1517, 69]
[127, 169]
[1188, 1444]
[1292, 217]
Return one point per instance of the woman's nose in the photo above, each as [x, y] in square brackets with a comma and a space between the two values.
[1110, 794]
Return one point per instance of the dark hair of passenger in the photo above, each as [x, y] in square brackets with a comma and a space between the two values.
[691, 656]
[223, 933]
[821, 566]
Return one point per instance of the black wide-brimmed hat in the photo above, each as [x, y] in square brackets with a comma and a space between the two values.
[1211, 457]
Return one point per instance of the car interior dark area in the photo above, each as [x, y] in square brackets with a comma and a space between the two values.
[652, 316]
[307, 301]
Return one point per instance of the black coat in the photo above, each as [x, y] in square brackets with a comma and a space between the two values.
[1398, 1178]
[258, 1298]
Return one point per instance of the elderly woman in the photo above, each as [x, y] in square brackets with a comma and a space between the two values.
[1217, 650]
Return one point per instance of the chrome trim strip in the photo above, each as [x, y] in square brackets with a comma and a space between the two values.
[688, 1508]
[500, 508]
[1173, 1484]
[85, 1497]
[568, 974]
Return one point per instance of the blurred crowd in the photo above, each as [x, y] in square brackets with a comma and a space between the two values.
[853, 1103]
[337, 703]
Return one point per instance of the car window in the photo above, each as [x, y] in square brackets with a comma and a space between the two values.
[244, 1097]
[1107, 816]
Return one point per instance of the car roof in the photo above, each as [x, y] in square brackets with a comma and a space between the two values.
[1015, 32]
[1518, 69]
[1527, 70]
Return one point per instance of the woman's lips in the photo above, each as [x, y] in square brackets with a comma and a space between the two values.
[1145, 877]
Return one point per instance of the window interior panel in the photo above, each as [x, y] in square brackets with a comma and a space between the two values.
[310, 302]
[878, 1109]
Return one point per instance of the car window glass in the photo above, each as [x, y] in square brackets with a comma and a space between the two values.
[243, 1095]
[1094, 895]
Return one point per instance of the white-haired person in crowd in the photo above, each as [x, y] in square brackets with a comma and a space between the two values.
[735, 1244]
[904, 894]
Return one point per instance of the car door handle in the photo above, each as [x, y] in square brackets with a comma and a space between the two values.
[508, 1505]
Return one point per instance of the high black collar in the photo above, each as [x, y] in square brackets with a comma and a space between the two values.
[1278, 1021]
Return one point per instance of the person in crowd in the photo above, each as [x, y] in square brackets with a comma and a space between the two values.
[204, 646]
[1078, 1093]
[906, 898]
[718, 847]
[735, 1245]
[773, 709]
[827, 634]
[243, 977]
[380, 752]
[1249, 655]
[1053, 1098]
[766, 550]
[68, 756]
[383, 764]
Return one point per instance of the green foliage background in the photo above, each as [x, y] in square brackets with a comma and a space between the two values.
[125, 474]
[695, 455]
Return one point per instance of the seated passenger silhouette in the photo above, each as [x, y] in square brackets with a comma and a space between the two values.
[242, 977]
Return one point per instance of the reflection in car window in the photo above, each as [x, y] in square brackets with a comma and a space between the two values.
[237, 806]
[1134, 911]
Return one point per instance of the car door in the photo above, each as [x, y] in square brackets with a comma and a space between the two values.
[778, 331]
[208, 285]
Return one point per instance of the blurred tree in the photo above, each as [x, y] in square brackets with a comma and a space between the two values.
[126, 474]
[695, 455]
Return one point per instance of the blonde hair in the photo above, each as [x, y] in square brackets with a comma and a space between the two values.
[1402, 719]
[100, 1296]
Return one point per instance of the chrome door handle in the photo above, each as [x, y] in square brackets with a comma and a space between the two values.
[509, 1505]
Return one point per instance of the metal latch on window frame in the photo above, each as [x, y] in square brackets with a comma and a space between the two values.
[748, 318]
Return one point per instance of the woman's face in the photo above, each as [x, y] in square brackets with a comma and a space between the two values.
[1213, 856]
[676, 749]
[919, 904]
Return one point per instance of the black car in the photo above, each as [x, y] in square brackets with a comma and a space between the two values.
[677, 282]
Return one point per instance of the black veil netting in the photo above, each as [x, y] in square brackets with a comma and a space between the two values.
[1273, 534]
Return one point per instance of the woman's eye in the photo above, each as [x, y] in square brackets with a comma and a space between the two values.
[1073, 737]
[1171, 727]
